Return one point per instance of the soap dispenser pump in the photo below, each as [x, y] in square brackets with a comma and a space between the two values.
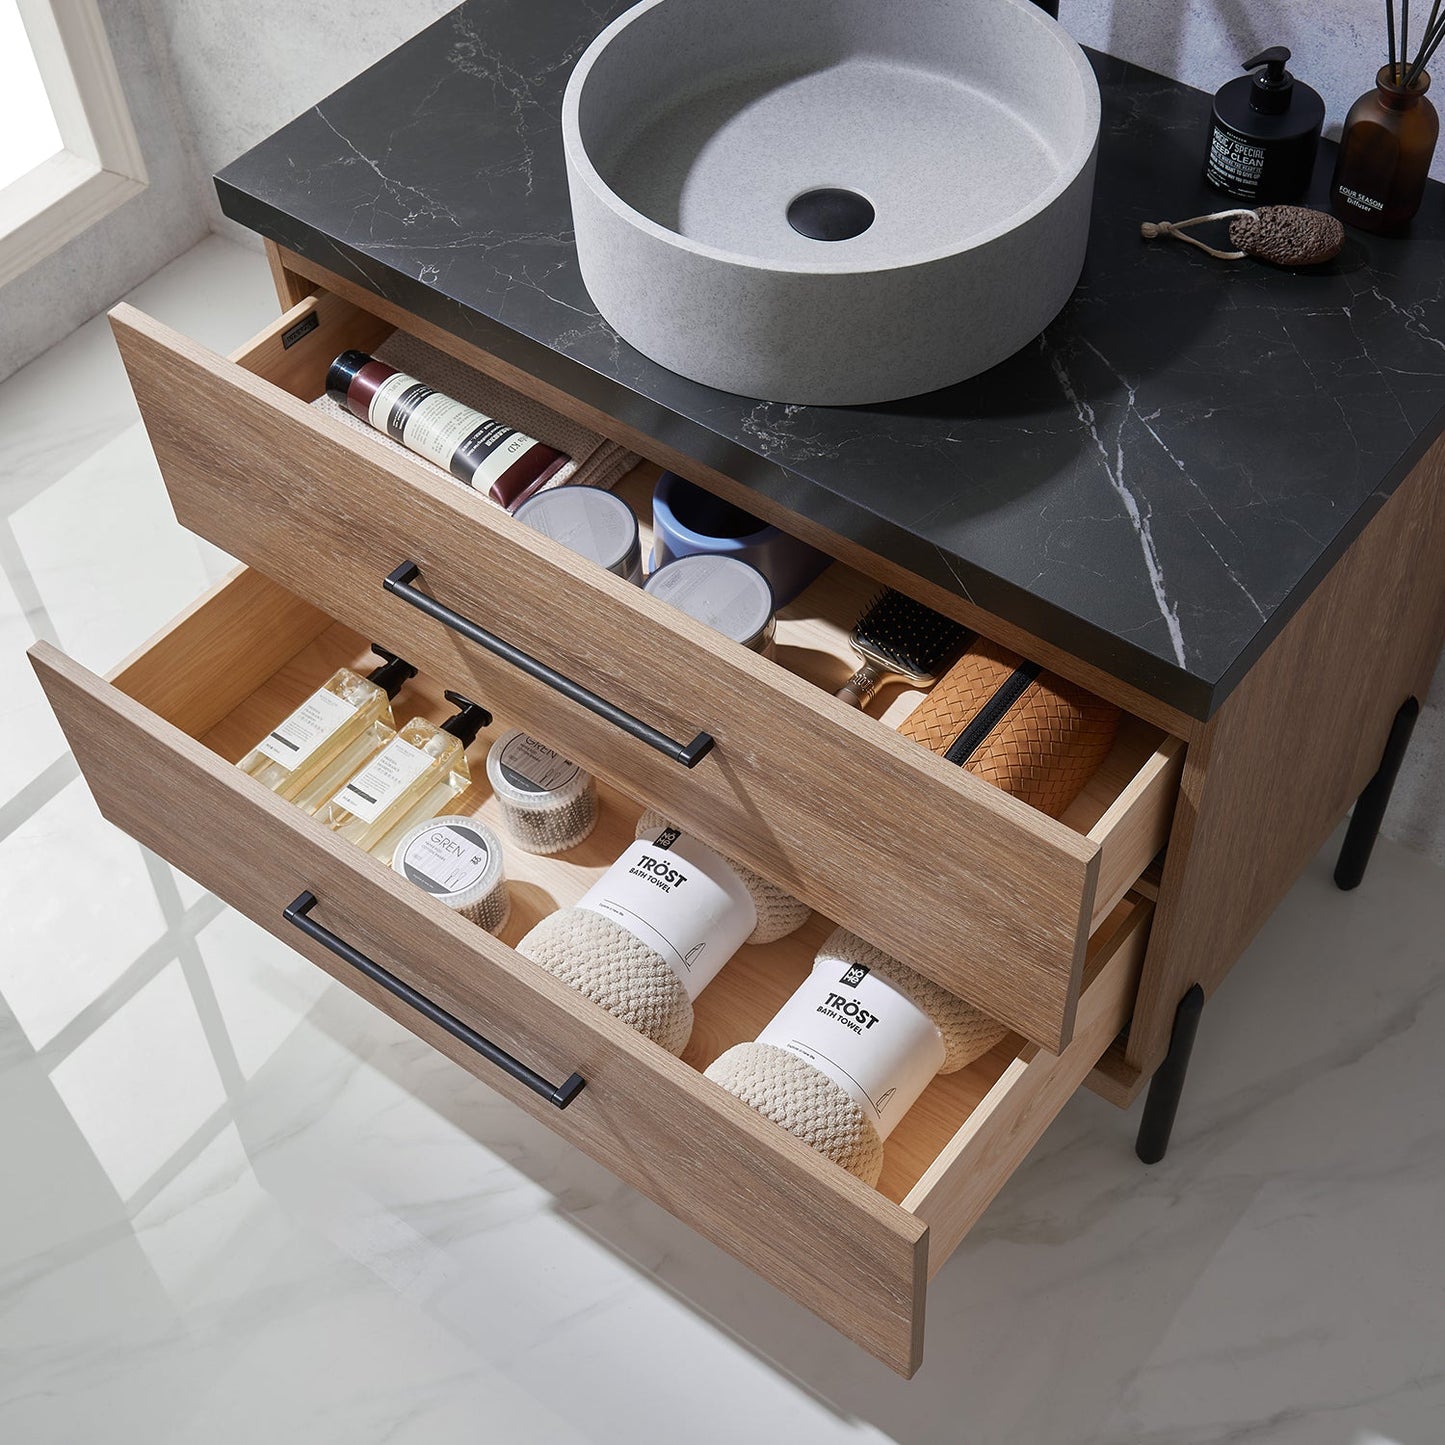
[415, 777]
[1265, 132]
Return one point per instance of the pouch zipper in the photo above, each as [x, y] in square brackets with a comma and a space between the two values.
[988, 717]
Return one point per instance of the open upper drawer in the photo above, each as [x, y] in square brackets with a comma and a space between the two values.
[991, 898]
[156, 744]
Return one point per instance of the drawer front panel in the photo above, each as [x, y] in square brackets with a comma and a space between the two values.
[991, 898]
[650, 1119]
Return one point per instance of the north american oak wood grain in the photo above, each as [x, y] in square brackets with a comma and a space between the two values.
[1117, 1078]
[649, 1117]
[216, 677]
[828, 803]
[746, 995]
[1291, 748]
[290, 287]
[997, 1136]
[295, 351]
[654, 1121]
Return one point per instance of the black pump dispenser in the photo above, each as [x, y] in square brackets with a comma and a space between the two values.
[468, 721]
[392, 673]
[1271, 89]
[1265, 132]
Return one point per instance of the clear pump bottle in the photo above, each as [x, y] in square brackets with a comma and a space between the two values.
[414, 777]
[325, 740]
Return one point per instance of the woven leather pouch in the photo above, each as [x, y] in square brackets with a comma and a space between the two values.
[1015, 726]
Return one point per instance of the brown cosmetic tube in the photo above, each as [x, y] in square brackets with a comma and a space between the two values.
[480, 452]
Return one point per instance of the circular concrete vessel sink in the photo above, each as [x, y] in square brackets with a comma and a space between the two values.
[831, 202]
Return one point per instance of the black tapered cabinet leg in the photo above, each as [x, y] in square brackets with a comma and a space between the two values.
[1371, 804]
[1167, 1084]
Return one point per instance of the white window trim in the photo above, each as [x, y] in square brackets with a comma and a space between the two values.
[101, 164]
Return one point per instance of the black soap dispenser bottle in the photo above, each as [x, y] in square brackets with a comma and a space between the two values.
[1265, 132]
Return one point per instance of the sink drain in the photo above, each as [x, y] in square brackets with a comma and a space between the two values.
[830, 214]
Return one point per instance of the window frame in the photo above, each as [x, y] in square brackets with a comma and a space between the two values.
[100, 165]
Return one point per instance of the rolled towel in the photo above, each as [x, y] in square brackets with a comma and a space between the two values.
[642, 950]
[825, 1036]
[791, 1092]
[615, 968]
[779, 913]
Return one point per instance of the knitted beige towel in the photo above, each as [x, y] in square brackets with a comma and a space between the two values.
[615, 968]
[791, 1092]
[595, 461]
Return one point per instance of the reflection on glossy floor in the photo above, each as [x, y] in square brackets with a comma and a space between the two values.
[238, 1205]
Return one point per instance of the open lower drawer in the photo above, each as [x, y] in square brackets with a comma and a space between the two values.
[157, 742]
[993, 899]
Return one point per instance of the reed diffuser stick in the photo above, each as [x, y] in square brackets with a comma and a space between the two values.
[1434, 33]
[1434, 19]
[1405, 69]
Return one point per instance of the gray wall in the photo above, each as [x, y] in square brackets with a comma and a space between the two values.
[87, 274]
[238, 87]
[1337, 45]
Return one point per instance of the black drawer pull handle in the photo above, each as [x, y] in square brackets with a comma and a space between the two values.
[298, 913]
[399, 583]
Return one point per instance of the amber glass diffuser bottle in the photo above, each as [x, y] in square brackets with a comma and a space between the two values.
[1385, 152]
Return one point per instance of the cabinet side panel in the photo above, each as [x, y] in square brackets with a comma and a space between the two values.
[1290, 750]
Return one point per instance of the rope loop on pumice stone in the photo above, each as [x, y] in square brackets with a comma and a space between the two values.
[1152, 230]
[1280, 235]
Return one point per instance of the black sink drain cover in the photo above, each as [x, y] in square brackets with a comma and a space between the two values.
[830, 214]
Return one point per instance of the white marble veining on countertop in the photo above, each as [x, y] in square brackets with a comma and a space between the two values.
[239, 1205]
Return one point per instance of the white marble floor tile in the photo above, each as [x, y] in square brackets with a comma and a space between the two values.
[217, 293]
[188, 889]
[106, 557]
[55, 1192]
[263, 988]
[30, 738]
[68, 403]
[143, 1084]
[80, 910]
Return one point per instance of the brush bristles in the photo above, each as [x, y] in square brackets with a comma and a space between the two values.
[915, 638]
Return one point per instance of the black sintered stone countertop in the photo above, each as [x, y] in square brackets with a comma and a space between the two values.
[1155, 485]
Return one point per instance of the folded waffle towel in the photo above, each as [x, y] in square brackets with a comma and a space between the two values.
[788, 1090]
[630, 979]
[779, 913]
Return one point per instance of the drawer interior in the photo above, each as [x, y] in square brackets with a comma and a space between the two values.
[1126, 807]
[246, 657]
